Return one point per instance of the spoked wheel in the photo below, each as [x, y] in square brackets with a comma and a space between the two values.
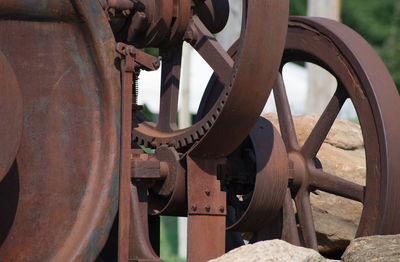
[364, 79]
[242, 79]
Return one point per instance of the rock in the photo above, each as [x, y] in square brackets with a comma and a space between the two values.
[272, 250]
[342, 154]
[374, 248]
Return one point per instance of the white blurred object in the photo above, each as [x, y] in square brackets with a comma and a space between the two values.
[321, 83]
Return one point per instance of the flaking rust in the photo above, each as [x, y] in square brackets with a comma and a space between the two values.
[76, 149]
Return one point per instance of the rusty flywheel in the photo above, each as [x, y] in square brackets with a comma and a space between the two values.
[363, 79]
[69, 159]
[249, 66]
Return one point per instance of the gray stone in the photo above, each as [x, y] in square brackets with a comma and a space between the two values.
[272, 250]
[373, 249]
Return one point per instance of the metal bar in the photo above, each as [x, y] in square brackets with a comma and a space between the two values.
[324, 124]
[211, 50]
[306, 220]
[337, 185]
[206, 211]
[127, 66]
[170, 78]
[290, 233]
[285, 118]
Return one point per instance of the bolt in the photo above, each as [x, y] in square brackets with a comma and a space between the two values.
[207, 208]
[156, 64]
[188, 37]
[207, 191]
[126, 12]
[172, 143]
[221, 209]
[194, 207]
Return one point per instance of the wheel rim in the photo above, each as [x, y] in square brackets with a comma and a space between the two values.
[232, 105]
[61, 195]
[353, 62]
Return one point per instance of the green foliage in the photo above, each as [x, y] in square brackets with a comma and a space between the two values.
[377, 21]
[370, 18]
[391, 49]
[169, 239]
[298, 7]
[147, 113]
[152, 51]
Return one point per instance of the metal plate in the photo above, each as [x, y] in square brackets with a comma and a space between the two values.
[65, 180]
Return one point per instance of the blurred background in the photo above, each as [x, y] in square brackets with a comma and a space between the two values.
[309, 87]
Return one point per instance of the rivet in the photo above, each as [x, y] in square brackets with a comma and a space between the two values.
[221, 209]
[207, 208]
[194, 207]
[207, 191]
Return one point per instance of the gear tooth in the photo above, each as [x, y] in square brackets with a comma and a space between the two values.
[200, 131]
[153, 143]
[172, 143]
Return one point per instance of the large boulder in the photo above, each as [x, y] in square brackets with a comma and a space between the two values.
[272, 250]
[373, 249]
[342, 153]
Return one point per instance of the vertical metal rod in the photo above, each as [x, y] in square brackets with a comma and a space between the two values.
[125, 177]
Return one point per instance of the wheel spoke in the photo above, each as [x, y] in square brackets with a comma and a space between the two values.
[290, 233]
[170, 74]
[336, 185]
[324, 124]
[306, 220]
[212, 52]
[286, 124]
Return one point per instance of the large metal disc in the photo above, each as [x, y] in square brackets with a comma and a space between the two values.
[247, 82]
[59, 199]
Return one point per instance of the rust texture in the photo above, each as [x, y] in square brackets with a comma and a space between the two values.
[73, 138]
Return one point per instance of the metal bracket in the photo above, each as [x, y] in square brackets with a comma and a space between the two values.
[206, 210]
[133, 237]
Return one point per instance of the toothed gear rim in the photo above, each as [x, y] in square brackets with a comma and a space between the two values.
[240, 103]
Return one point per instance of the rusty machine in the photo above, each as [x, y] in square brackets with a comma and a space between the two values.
[77, 186]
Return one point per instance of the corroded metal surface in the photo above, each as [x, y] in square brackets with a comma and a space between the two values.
[271, 179]
[265, 22]
[362, 78]
[10, 115]
[71, 129]
[65, 189]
